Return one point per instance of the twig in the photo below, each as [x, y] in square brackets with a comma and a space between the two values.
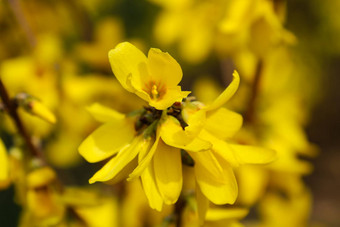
[19, 15]
[12, 111]
[249, 114]
[179, 206]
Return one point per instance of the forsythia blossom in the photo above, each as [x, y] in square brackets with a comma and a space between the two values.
[154, 79]
[151, 143]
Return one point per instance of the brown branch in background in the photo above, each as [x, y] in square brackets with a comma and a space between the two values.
[249, 113]
[12, 111]
[179, 206]
[82, 19]
[20, 17]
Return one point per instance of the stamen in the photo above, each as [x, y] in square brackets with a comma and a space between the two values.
[154, 92]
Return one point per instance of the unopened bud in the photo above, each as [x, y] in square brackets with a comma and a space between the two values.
[35, 107]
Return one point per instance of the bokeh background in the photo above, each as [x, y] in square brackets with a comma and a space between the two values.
[85, 26]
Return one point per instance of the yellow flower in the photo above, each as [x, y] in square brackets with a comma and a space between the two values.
[107, 32]
[118, 136]
[154, 78]
[274, 209]
[226, 217]
[46, 204]
[43, 206]
[214, 167]
[150, 144]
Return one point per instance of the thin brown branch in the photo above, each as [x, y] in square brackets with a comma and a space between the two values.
[250, 111]
[12, 111]
[179, 206]
[22, 21]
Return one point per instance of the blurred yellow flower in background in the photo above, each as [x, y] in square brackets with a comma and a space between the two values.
[169, 156]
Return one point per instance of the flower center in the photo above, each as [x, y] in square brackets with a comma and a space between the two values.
[156, 90]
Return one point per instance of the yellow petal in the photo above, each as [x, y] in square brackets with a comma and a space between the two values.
[171, 96]
[253, 155]
[221, 148]
[144, 160]
[218, 191]
[3, 162]
[202, 205]
[40, 177]
[40, 110]
[195, 120]
[223, 123]
[164, 68]
[172, 132]
[254, 177]
[150, 188]
[149, 184]
[104, 114]
[124, 173]
[168, 172]
[226, 94]
[215, 214]
[209, 162]
[196, 44]
[107, 140]
[123, 158]
[173, 135]
[103, 214]
[197, 145]
[125, 60]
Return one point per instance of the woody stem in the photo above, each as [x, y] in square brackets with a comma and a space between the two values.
[17, 10]
[12, 111]
[179, 206]
[249, 114]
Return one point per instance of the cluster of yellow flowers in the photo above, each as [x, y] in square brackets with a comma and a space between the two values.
[167, 157]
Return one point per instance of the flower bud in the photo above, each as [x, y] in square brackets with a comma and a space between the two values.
[35, 107]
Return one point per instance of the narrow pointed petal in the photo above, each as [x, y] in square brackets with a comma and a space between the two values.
[149, 183]
[123, 158]
[218, 192]
[144, 160]
[253, 155]
[163, 67]
[124, 173]
[226, 94]
[168, 172]
[104, 114]
[150, 188]
[125, 60]
[202, 205]
[107, 140]
[223, 123]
